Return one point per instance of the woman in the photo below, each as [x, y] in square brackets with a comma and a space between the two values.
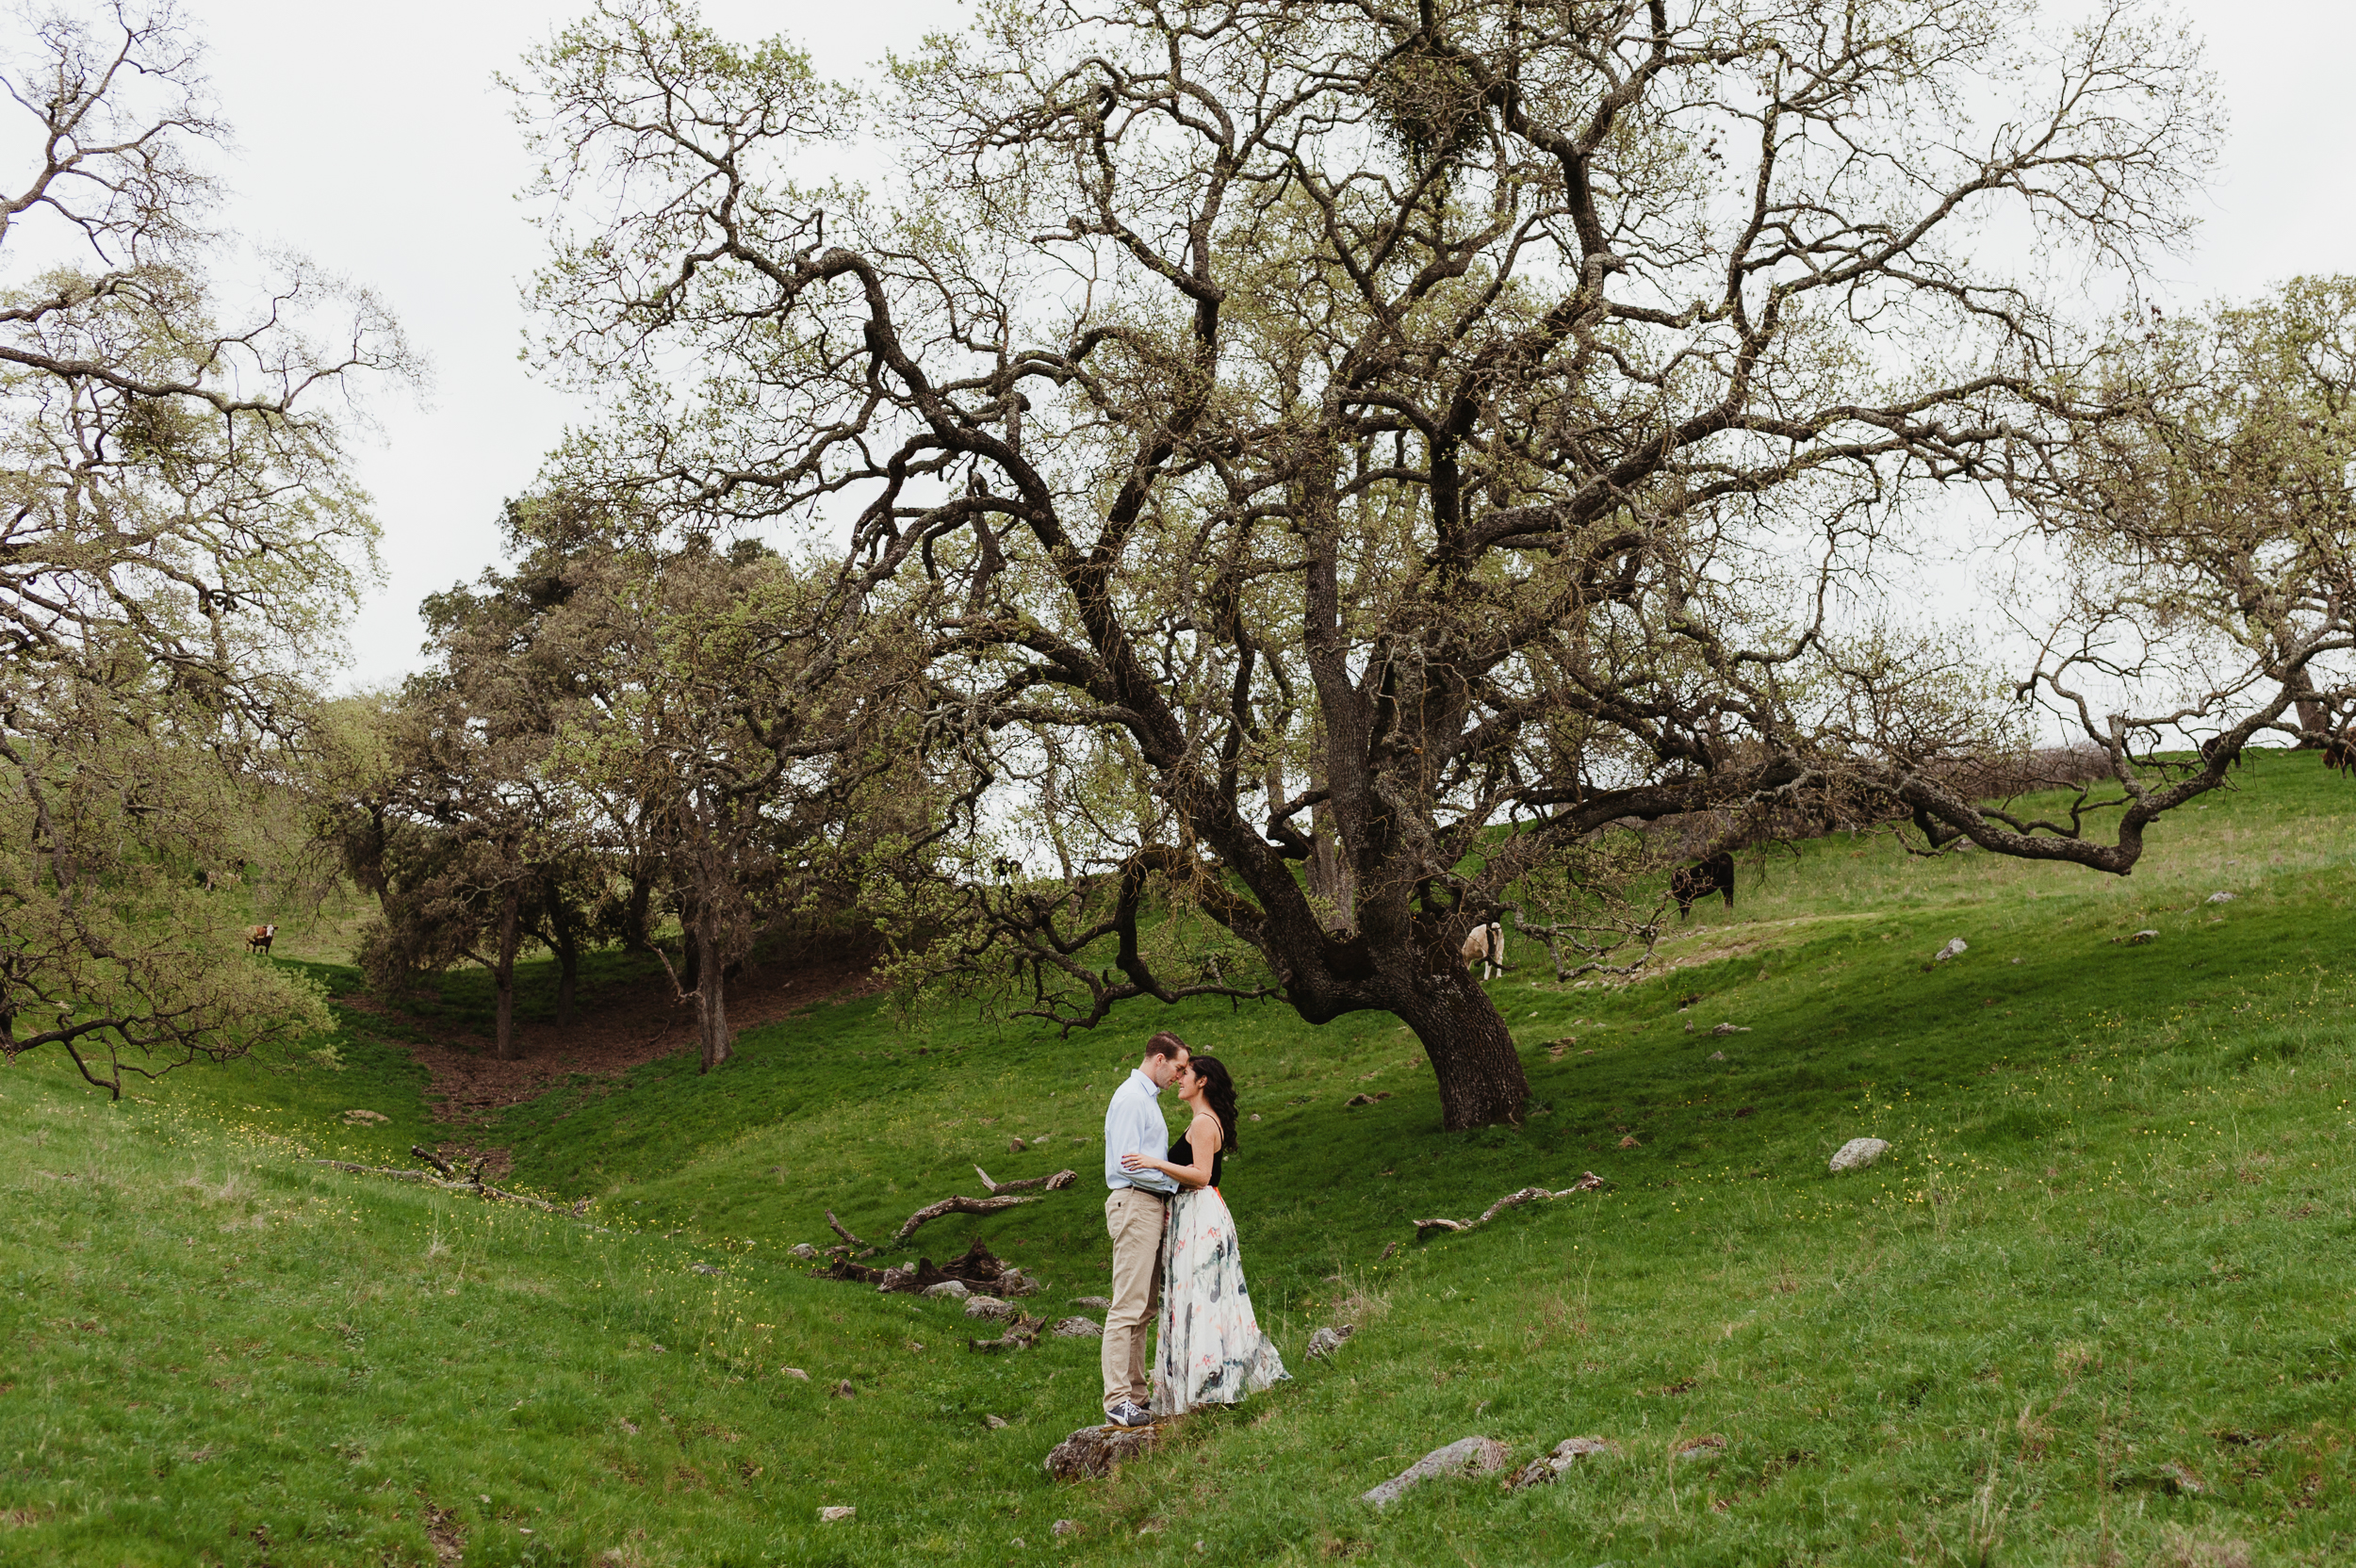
[1211, 1350]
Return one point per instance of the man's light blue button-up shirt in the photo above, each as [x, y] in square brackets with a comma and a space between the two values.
[1134, 1125]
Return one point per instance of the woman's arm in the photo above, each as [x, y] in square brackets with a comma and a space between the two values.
[1202, 1137]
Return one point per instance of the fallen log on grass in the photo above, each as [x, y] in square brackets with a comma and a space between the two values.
[955, 1205]
[978, 1269]
[1019, 1335]
[473, 1184]
[992, 1204]
[1587, 1182]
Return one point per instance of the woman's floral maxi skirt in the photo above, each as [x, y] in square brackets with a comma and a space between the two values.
[1212, 1351]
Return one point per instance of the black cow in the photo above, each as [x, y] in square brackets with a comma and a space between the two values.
[2339, 755]
[2209, 749]
[1713, 876]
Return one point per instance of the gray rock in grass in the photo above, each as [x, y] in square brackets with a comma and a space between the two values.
[949, 1290]
[1466, 1456]
[1953, 950]
[1079, 1327]
[1858, 1153]
[1326, 1340]
[991, 1308]
[2219, 898]
[1093, 1303]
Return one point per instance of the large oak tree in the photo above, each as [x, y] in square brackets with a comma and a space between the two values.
[1346, 455]
[179, 533]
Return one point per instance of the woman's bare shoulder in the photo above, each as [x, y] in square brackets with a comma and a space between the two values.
[1206, 1126]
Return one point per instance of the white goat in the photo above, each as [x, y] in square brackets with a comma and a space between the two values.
[1485, 945]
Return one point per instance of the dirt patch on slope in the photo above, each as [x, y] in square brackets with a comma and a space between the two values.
[613, 1032]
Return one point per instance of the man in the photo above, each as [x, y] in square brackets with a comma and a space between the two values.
[1133, 1212]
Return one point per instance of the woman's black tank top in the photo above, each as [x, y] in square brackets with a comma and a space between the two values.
[1182, 1153]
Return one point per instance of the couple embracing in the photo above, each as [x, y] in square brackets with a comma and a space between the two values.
[1174, 1245]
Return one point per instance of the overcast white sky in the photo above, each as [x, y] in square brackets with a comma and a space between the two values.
[374, 140]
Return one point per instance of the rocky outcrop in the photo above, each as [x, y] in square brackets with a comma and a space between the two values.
[1095, 1452]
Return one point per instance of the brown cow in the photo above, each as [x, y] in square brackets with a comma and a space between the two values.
[2339, 754]
[257, 937]
[1713, 876]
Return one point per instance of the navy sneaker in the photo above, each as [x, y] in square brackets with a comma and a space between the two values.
[1129, 1413]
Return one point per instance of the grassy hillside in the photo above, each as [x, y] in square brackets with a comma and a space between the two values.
[2098, 1303]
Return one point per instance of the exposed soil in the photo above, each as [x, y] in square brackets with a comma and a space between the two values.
[615, 1030]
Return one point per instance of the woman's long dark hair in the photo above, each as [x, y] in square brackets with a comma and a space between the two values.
[1218, 1090]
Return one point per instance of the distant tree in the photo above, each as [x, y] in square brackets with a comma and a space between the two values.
[1456, 428]
[2201, 507]
[179, 535]
[486, 840]
[745, 736]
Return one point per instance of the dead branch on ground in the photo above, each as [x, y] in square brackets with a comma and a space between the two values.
[473, 1184]
[1057, 1183]
[1587, 1182]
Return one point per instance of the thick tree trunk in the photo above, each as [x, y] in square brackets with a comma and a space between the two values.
[2314, 718]
[511, 922]
[1331, 876]
[711, 1004]
[635, 912]
[1480, 1073]
[566, 939]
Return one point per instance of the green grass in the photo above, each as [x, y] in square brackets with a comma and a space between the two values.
[2113, 1238]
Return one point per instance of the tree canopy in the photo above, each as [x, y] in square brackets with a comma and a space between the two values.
[179, 534]
[1437, 432]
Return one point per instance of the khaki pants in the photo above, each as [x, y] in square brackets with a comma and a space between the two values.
[1134, 1219]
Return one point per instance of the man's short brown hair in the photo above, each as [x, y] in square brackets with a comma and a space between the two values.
[1167, 1044]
